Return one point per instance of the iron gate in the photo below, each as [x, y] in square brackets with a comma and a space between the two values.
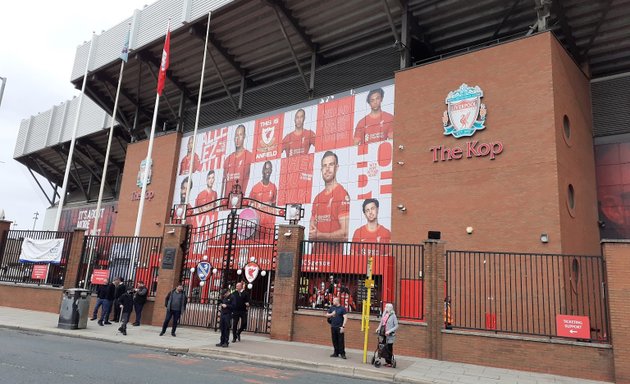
[230, 236]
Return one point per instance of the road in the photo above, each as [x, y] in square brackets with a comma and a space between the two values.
[35, 358]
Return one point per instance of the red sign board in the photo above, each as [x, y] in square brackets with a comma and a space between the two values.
[578, 327]
[100, 276]
[39, 272]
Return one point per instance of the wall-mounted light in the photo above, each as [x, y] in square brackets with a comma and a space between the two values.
[401, 163]
[171, 232]
[544, 238]
[401, 147]
[287, 233]
[469, 230]
[401, 207]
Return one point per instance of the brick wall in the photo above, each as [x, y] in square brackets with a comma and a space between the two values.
[45, 299]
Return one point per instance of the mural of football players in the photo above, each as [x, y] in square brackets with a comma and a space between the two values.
[266, 192]
[331, 207]
[300, 140]
[208, 194]
[184, 165]
[237, 164]
[372, 232]
[377, 125]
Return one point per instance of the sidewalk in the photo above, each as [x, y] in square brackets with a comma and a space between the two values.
[262, 350]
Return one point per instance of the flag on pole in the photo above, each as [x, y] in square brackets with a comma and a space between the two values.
[164, 64]
[125, 51]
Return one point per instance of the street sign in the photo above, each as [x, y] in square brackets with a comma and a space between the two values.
[100, 276]
[203, 270]
[577, 327]
[39, 272]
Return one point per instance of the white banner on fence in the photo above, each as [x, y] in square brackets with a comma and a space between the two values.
[41, 251]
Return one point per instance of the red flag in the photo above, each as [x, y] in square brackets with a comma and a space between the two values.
[164, 64]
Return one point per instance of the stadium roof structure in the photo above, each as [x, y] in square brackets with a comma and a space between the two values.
[268, 54]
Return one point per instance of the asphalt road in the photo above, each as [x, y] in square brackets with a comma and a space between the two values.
[34, 358]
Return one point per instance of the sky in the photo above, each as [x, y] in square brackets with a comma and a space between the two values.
[39, 42]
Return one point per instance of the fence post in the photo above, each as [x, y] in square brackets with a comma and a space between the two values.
[5, 227]
[74, 259]
[286, 281]
[434, 299]
[170, 268]
[617, 262]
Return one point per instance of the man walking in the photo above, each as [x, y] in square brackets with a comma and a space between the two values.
[139, 298]
[125, 302]
[119, 290]
[226, 306]
[175, 303]
[240, 301]
[105, 295]
[337, 317]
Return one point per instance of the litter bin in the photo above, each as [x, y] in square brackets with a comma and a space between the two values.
[75, 306]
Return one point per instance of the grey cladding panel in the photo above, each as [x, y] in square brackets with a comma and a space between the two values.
[611, 106]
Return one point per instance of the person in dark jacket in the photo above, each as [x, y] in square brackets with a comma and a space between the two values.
[125, 302]
[103, 302]
[118, 292]
[241, 304]
[139, 298]
[226, 305]
[175, 303]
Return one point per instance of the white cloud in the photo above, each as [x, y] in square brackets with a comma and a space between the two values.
[39, 41]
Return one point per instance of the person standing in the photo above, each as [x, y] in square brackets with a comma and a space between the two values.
[377, 125]
[175, 304]
[236, 165]
[226, 305]
[240, 300]
[125, 302]
[119, 290]
[331, 207]
[105, 294]
[300, 141]
[387, 329]
[139, 299]
[337, 317]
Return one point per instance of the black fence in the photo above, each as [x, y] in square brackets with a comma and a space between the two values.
[330, 270]
[132, 258]
[531, 294]
[12, 270]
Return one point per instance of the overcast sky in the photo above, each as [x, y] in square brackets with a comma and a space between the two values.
[39, 42]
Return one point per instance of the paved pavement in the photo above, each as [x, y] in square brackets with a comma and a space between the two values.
[263, 350]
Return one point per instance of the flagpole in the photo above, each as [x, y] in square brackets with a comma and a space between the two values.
[147, 164]
[194, 142]
[64, 188]
[97, 215]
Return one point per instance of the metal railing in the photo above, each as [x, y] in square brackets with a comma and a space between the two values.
[12, 270]
[330, 269]
[523, 293]
[132, 258]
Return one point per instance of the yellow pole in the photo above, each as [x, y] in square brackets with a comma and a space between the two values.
[365, 318]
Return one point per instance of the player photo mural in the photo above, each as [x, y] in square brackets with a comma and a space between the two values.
[333, 156]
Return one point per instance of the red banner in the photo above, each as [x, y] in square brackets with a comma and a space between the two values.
[334, 124]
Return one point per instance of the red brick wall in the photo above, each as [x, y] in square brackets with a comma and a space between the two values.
[575, 156]
[617, 255]
[156, 210]
[511, 200]
[45, 299]
[311, 327]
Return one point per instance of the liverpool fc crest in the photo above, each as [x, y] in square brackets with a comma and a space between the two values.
[465, 114]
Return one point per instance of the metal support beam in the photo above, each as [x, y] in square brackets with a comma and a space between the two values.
[311, 78]
[47, 175]
[133, 100]
[198, 35]
[605, 11]
[279, 6]
[120, 115]
[147, 58]
[50, 201]
[241, 94]
[75, 176]
[543, 12]
[164, 95]
[404, 36]
[506, 16]
[390, 21]
[180, 112]
[286, 38]
[558, 9]
[38, 159]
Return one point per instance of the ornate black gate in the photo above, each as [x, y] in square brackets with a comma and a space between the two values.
[237, 236]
